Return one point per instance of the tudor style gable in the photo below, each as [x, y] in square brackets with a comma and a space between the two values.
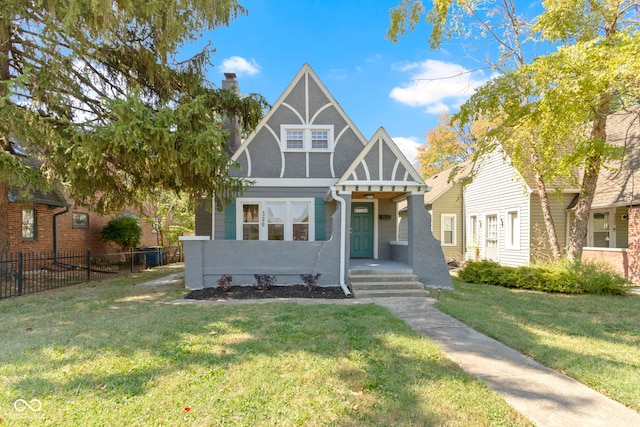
[382, 165]
[306, 134]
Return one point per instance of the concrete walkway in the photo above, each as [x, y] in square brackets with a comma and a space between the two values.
[544, 396]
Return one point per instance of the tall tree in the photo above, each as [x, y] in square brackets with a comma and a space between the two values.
[552, 110]
[170, 214]
[99, 92]
[447, 145]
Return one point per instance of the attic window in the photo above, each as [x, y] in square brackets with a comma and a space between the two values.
[295, 139]
[306, 138]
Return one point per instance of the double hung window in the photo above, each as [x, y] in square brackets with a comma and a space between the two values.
[448, 230]
[310, 138]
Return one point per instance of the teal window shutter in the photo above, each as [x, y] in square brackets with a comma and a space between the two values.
[230, 221]
[321, 223]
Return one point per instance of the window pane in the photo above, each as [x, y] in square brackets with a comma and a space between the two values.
[28, 223]
[513, 229]
[80, 219]
[277, 212]
[250, 232]
[250, 213]
[299, 212]
[492, 231]
[319, 139]
[601, 230]
[295, 139]
[448, 237]
[276, 231]
[600, 221]
[300, 232]
[474, 230]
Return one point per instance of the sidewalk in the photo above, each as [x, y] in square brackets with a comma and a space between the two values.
[544, 396]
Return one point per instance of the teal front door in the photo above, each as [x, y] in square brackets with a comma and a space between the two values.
[361, 230]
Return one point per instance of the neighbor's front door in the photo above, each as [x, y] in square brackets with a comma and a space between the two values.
[491, 238]
[361, 230]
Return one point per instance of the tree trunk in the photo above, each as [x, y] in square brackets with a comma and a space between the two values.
[5, 186]
[548, 218]
[589, 181]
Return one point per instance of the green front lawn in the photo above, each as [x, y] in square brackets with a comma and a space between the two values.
[116, 354]
[593, 338]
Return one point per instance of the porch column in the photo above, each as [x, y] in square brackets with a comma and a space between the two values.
[347, 230]
[634, 245]
[425, 254]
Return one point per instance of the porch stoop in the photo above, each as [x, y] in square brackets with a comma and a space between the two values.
[385, 283]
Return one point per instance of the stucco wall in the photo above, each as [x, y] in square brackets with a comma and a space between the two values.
[206, 260]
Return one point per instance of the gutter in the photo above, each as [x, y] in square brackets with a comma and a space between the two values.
[343, 219]
[55, 231]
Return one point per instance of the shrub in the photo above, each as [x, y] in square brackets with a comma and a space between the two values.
[123, 231]
[479, 272]
[264, 281]
[569, 277]
[310, 280]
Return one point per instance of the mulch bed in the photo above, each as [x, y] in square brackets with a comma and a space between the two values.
[252, 292]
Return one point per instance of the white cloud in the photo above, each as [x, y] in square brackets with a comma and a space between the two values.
[240, 66]
[436, 85]
[408, 146]
[405, 66]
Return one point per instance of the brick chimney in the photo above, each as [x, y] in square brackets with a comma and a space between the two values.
[232, 125]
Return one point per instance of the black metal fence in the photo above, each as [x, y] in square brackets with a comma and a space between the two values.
[27, 273]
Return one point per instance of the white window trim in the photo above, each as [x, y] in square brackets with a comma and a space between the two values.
[473, 243]
[515, 233]
[306, 138]
[443, 218]
[263, 224]
[485, 233]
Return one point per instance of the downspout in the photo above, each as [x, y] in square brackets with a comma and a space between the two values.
[343, 226]
[55, 231]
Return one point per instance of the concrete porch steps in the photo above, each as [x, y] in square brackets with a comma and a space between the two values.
[385, 283]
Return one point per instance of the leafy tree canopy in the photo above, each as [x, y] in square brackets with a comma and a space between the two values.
[448, 144]
[550, 112]
[98, 91]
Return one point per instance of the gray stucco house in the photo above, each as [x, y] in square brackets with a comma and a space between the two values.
[322, 195]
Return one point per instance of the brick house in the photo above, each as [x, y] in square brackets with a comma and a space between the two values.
[48, 222]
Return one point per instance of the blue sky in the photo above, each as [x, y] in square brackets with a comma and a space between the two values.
[377, 83]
